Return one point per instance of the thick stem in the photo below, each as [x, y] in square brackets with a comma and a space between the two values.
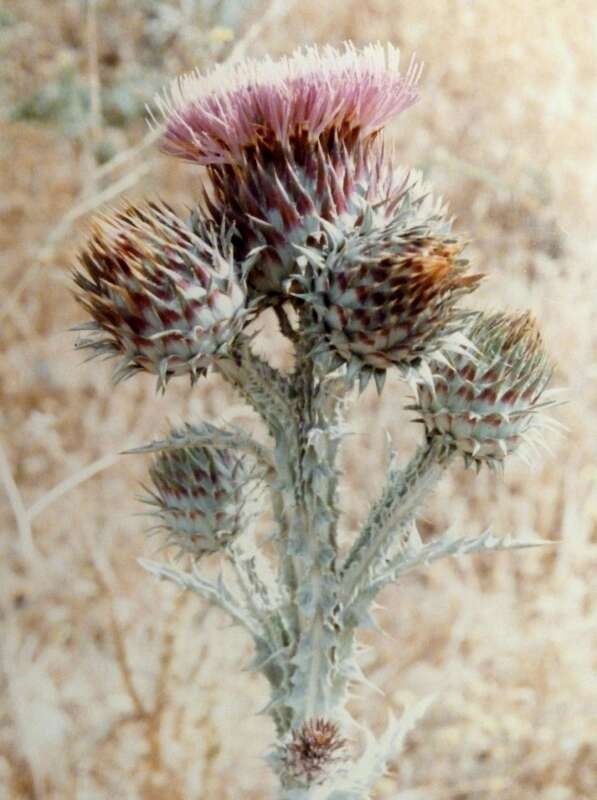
[302, 413]
[314, 547]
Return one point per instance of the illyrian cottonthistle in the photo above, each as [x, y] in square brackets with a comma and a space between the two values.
[485, 402]
[163, 293]
[304, 209]
[199, 495]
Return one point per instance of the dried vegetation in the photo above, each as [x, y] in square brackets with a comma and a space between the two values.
[113, 686]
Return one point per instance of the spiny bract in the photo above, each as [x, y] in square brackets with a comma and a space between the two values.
[484, 403]
[290, 143]
[385, 293]
[282, 199]
[163, 293]
[199, 494]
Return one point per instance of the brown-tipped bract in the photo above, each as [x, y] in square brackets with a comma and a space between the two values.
[162, 293]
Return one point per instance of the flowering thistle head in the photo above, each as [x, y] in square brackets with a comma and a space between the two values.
[314, 752]
[290, 144]
[385, 294]
[162, 292]
[485, 403]
[199, 495]
[265, 104]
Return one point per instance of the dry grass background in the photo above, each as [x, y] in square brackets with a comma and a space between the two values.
[114, 686]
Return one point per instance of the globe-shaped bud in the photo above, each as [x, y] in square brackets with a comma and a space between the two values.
[163, 293]
[199, 496]
[315, 751]
[485, 403]
[288, 144]
[385, 293]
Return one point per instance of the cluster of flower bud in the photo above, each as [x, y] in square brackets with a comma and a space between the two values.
[299, 187]
[303, 206]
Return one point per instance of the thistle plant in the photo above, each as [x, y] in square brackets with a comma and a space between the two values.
[304, 211]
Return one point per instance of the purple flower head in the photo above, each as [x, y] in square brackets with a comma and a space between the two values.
[212, 119]
[289, 145]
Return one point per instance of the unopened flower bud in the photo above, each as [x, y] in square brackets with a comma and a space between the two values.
[163, 293]
[385, 295]
[199, 497]
[486, 402]
[315, 751]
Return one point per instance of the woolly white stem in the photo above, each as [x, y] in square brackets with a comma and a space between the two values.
[261, 385]
[312, 546]
[397, 506]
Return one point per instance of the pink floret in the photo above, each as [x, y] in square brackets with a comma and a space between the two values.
[212, 119]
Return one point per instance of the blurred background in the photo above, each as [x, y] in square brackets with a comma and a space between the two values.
[115, 686]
